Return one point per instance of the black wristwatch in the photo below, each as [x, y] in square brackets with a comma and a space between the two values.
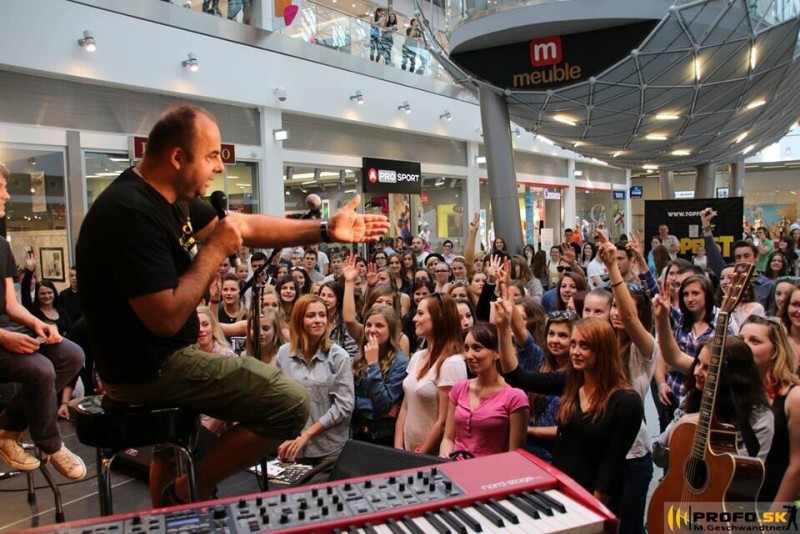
[323, 231]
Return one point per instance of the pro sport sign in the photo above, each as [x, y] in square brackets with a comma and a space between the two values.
[389, 176]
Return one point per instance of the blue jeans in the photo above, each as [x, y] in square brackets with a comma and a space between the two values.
[630, 508]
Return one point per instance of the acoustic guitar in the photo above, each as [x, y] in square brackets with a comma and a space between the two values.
[704, 462]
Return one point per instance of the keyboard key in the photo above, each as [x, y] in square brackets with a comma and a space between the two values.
[412, 527]
[493, 518]
[466, 519]
[451, 520]
[553, 502]
[440, 527]
[509, 516]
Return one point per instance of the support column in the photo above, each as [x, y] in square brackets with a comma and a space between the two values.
[76, 190]
[500, 166]
[667, 182]
[472, 203]
[737, 178]
[271, 199]
[628, 208]
[569, 202]
[704, 182]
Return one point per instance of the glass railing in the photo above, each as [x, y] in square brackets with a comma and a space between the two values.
[359, 37]
[772, 12]
[460, 11]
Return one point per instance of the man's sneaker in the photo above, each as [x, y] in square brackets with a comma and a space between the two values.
[12, 453]
[68, 463]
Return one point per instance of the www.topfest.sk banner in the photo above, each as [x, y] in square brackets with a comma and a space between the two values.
[683, 219]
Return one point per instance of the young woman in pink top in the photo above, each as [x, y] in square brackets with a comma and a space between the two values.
[485, 415]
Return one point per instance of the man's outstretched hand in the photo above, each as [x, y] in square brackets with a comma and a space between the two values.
[347, 226]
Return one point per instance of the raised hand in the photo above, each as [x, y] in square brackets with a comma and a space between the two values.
[347, 226]
[568, 253]
[491, 268]
[636, 245]
[503, 308]
[30, 260]
[349, 270]
[607, 253]
[706, 216]
[372, 274]
[474, 224]
[661, 305]
[215, 289]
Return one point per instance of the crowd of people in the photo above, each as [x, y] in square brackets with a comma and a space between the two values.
[442, 354]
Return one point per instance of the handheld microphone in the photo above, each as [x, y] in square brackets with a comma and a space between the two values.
[314, 205]
[220, 202]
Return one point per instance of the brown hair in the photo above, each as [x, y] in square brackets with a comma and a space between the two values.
[388, 350]
[448, 338]
[298, 339]
[580, 285]
[268, 315]
[609, 371]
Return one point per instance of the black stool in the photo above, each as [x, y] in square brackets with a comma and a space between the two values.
[113, 427]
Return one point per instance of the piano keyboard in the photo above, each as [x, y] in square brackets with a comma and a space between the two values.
[512, 493]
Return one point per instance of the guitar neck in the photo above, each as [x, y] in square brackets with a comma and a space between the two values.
[708, 402]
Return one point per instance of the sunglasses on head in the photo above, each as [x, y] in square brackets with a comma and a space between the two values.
[790, 279]
[562, 314]
[563, 269]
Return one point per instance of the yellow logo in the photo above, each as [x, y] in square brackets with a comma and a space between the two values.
[676, 518]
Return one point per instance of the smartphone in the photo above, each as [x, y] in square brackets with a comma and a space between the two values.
[41, 340]
[238, 344]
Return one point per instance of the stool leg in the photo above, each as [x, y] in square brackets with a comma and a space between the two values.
[104, 459]
[186, 463]
[31, 487]
[56, 492]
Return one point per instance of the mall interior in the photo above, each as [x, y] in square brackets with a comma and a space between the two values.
[300, 103]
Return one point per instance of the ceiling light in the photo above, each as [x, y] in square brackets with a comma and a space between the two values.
[191, 63]
[650, 167]
[578, 172]
[565, 119]
[748, 149]
[698, 70]
[753, 57]
[32, 161]
[87, 42]
[545, 140]
[281, 134]
[480, 160]
[681, 152]
[405, 106]
[358, 97]
[617, 153]
[667, 117]
[446, 116]
[740, 137]
[756, 104]
[576, 144]
[656, 137]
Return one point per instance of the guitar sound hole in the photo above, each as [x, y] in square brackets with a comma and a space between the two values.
[696, 473]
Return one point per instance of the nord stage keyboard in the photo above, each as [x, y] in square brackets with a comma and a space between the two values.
[512, 493]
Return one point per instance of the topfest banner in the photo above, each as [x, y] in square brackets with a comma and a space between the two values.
[683, 219]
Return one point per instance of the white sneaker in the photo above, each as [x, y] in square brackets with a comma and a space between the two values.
[12, 453]
[68, 463]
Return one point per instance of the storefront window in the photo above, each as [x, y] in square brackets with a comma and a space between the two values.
[539, 213]
[36, 214]
[594, 207]
[441, 213]
[240, 184]
[101, 169]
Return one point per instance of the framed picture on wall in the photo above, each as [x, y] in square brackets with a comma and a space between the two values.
[51, 264]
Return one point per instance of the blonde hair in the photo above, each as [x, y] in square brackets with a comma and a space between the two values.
[298, 339]
[217, 335]
[268, 315]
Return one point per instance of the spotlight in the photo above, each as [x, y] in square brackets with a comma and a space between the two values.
[406, 107]
[446, 116]
[280, 134]
[87, 42]
[480, 160]
[358, 97]
[191, 63]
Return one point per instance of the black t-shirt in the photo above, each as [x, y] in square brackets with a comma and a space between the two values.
[71, 301]
[133, 243]
[8, 269]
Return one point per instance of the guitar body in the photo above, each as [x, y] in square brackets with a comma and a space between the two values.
[725, 476]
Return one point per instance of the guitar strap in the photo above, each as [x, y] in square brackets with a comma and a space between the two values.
[750, 440]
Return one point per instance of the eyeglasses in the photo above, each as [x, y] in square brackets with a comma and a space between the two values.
[790, 279]
[442, 271]
[563, 269]
[569, 315]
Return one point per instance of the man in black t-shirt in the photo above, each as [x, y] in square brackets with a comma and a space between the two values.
[35, 355]
[142, 274]
[70, 299]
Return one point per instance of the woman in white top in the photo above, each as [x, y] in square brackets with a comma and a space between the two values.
[632, 319]
[432, 372]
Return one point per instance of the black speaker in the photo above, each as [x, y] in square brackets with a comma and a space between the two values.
[361, 458]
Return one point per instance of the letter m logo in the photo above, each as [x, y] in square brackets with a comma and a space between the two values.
[546, 51]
